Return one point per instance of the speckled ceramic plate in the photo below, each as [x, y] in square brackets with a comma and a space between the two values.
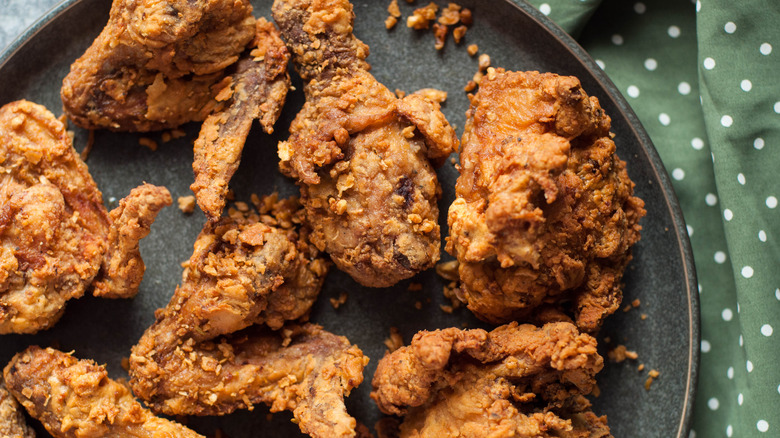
[516, 37]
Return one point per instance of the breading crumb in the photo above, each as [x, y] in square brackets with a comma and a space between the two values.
[620, 353]
[596, 391]
[393, 9]
[446, 308]
[125, 363]
[337, 302]
[651, 375]
[394, 341]
[88, 147]
[432, 94]
[418, 305]
[148, 143]
[390, 22]
[448, 270]
[472, 49]
[186, 203]
[421, 17]
[458, 33]
[635, 303]
[484, 61]
[643, 316]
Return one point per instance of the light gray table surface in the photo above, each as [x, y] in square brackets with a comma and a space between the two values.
[17, 15]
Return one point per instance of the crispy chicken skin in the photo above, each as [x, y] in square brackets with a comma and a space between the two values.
[257, 90]
[76, 398]
[515, 381]
[123, 269]
[156, 63]
[55, 233]
[12, 422]
[545, 214]
[360, 155]
[212, 349]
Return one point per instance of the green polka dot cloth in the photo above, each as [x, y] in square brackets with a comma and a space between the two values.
[704, 79]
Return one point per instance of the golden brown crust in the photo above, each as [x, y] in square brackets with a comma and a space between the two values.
[12, 422]
[517, 380]
[53, 225]
[201, 357]
[123, 269]
[545, 211]
[75, 398]
[155, 64]
[257, 91]
[54, 230]
[360, 155]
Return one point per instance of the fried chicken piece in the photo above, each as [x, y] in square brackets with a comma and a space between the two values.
[515, 381]
[545, 213]
[257, 91]
[123, 269]
[76, 398]
[157, 63]
[359, 154]
[12, 422]
[202, 357]
[54, 229]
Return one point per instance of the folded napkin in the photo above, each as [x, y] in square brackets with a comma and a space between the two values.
[703, 79]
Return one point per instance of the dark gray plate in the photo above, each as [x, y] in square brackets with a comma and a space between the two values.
[516, 37]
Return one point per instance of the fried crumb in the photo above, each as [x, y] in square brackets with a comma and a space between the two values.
[477, 77]
[448, 270]
[450, 291]
[418, 305]
[651, 375]
[607, 340]
[470, 86]
[433, 94]
[450, 15]
[466, 17]
[484, 61]
[390, 22]
[596, 391]
[177, 133]
[641, 367]
[446, 308]
[148, 143]
[635, 303]
[472, 49]
[620, 353]
[230, 195]
[393, 9]
[88, 147]
[394, 341]
[643, 316]
[125, 363]
[440, 35]
[453, 161]
[186, 204]
[421, 17]
[400, 93]
[458, 33]
[627, 308]
[337, 302]
[414, 287]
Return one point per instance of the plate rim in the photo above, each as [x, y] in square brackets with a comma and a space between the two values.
[635, 126]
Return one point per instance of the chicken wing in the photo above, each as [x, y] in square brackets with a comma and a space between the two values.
[12, 422]
[54, 229]
[360, 155]
[545, 214]
[515, 381]
[76, 398]
[208, 355]
[257, 91]
[157, 64]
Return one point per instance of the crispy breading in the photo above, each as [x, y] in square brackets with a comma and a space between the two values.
[208, 352]
[76, 398]
[515, 381]
[361, 156]
[54, 229]
[12, 422]
[257, 89]
[156, 63]
[545, 213]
